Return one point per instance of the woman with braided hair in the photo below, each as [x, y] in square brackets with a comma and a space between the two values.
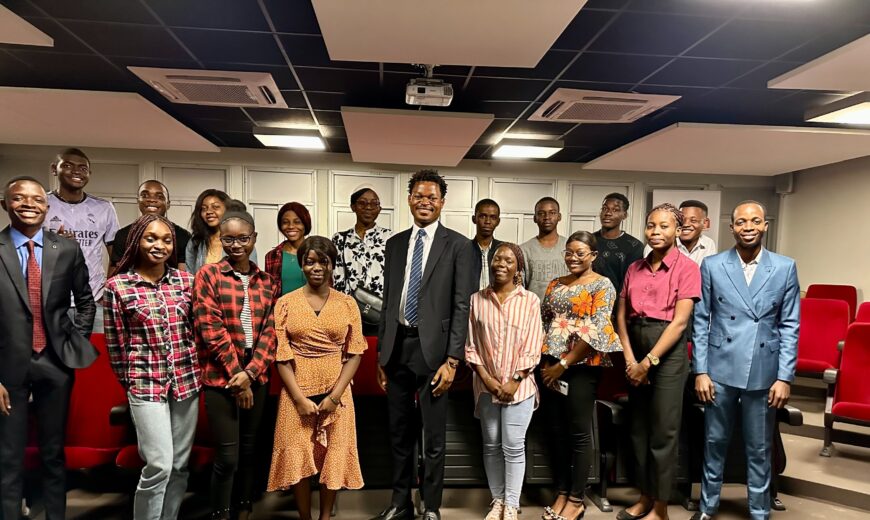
[150, 339]
[655, 307]
[503, 347]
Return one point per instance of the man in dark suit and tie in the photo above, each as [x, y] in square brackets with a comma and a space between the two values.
[422, 339]
[39, 344]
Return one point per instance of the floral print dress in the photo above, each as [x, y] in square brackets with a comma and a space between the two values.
[581, 311]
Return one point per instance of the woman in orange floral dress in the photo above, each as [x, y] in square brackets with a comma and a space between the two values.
[579, 337]
[320, 340]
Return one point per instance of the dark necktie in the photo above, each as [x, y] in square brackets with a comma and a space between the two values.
[34, 295]
[415, 280]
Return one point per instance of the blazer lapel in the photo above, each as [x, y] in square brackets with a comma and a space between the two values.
[13, 266]
[735, 273]
[49, 260]
[763, 273]
[438, 245]
[397, 270]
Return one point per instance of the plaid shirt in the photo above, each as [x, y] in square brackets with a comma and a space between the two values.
[149, 335]
[220, 337]
[274, 259]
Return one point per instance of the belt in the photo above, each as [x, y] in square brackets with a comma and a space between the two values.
[408, 331]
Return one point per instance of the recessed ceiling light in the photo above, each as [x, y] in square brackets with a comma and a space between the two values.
[290, 138]
[526, 148]
[854, 110]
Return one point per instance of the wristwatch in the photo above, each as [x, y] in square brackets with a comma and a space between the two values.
[517, 377]
[564, 363]
[653, 359]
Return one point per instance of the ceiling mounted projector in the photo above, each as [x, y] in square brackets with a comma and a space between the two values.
[428, 91]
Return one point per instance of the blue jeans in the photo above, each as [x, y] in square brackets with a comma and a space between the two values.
[504, 446]
[165, 433]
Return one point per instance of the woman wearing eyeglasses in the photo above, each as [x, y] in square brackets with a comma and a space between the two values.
[236, 342]
[579, 337]
[359, 269]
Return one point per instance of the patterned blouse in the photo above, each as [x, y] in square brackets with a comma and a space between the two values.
[580, 311]
[360, 261]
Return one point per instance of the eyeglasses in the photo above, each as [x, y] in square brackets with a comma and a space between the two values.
[373, 204]
[571, 254]
[242, 240]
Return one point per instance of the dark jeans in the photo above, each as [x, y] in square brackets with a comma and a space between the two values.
[656, 410]
[234, 433]
[569, 426]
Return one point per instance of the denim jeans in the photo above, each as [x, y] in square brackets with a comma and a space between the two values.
[165, 432]
[504, 446]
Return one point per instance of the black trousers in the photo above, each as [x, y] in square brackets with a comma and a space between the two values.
[569, 425]
[234, 433]
[408, 377]
[50, 382]
[656, 410]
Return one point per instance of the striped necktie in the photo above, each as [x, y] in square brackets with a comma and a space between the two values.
[34, 295]
[415, 281]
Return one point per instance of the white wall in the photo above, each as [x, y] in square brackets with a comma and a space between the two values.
[265, 179]
[826, 219]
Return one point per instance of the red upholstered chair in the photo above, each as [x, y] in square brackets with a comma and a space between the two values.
[849, 387]
[863, 313]
[847, 293]
[823, 326]
[365, 381]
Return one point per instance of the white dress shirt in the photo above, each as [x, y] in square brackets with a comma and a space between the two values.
[431, 229]
[750, 267]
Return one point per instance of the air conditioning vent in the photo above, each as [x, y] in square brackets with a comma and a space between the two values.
[213, 87]
[589, 106]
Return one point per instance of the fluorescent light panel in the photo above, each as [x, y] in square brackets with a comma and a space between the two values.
[526, 149]
[290, 138]
[854, 110]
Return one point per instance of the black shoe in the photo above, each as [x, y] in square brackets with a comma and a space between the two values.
[394, 513]
[701, 516]
[431, 515]
[625, 515]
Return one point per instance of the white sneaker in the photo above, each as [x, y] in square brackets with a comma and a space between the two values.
[510, 513]
[497, 510]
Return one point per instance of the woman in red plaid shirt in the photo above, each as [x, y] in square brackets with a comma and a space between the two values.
[149, 336]
[236, 340]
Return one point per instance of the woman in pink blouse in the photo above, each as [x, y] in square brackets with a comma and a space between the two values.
[503, 346]
[655, 307]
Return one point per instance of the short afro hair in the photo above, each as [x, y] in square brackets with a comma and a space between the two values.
[428, 176]
[692, 203]
[620, 197]
[547, 199]
[486, 202]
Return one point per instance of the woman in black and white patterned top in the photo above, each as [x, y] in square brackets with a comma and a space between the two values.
[361, 248]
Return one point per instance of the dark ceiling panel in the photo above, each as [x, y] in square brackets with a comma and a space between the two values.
[177, 63]
[613, 68]
[440, 70]
[490, 89]
[549, 67]
[336, 80]
[819, 13]
[504, 109]
[605, 4]
[239, 139]
[209, 112]
[63, 40]
[582, 29]
[311, 51]
[653, 33]
[215, 14]
[99, 10]
[280, 116]
[753, 39]
[73, 71]
[338, 145]
[333, 131]
[718, 8]
[293, 16]
[22, 8]
[232, 47]
[220, 125]
[329, 100]
[144, 41]
[758, 78]
[827, 42]
[329, 117]
[700, 72]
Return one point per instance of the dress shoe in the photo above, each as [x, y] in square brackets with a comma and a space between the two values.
[429, 514]
[625, 515]
[394, 513]
[701, 516]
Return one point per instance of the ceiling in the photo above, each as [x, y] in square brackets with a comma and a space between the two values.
[717, 54]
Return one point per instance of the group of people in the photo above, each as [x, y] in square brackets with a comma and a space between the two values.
[536, 322]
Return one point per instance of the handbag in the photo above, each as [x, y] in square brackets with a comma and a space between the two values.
[370, 305]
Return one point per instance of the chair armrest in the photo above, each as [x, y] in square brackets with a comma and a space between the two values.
[614, 411]
[830, 376]
[790, 415]
[841, 344]
[119, 415]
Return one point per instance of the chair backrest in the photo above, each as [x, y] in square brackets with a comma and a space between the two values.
[613, 383]
[847, 293]
[863, 313]
[823, 324]
[365, 381]
[853, 385]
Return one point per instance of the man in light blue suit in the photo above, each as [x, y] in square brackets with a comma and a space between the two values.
[745, 347]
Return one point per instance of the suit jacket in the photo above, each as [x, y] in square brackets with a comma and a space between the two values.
[444, 296]
[746, 337]
[478, 266]
[63, 272]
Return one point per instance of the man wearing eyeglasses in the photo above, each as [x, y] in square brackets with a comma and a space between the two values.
[89, 220]
[153, 197]
[616, 249]
[544, 253]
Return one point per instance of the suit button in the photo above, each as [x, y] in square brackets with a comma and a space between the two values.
[756, 320]
[762, 345]
[729, 340]
[733, 318]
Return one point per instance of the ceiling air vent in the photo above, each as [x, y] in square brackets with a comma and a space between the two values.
[591, 106]
[213, 87]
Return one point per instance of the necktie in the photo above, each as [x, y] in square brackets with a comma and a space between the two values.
[415, 280]
[34, 296]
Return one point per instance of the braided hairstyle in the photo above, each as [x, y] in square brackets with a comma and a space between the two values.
[521, 262]
[131, 248]
[678, 215]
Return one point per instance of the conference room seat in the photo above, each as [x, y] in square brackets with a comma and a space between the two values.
[863, 315]
[823, 326]
[848, 398]
[847, 293]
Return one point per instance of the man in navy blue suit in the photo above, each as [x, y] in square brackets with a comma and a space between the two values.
[745, 349]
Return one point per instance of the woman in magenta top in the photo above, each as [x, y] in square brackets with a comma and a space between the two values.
[655, 307]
